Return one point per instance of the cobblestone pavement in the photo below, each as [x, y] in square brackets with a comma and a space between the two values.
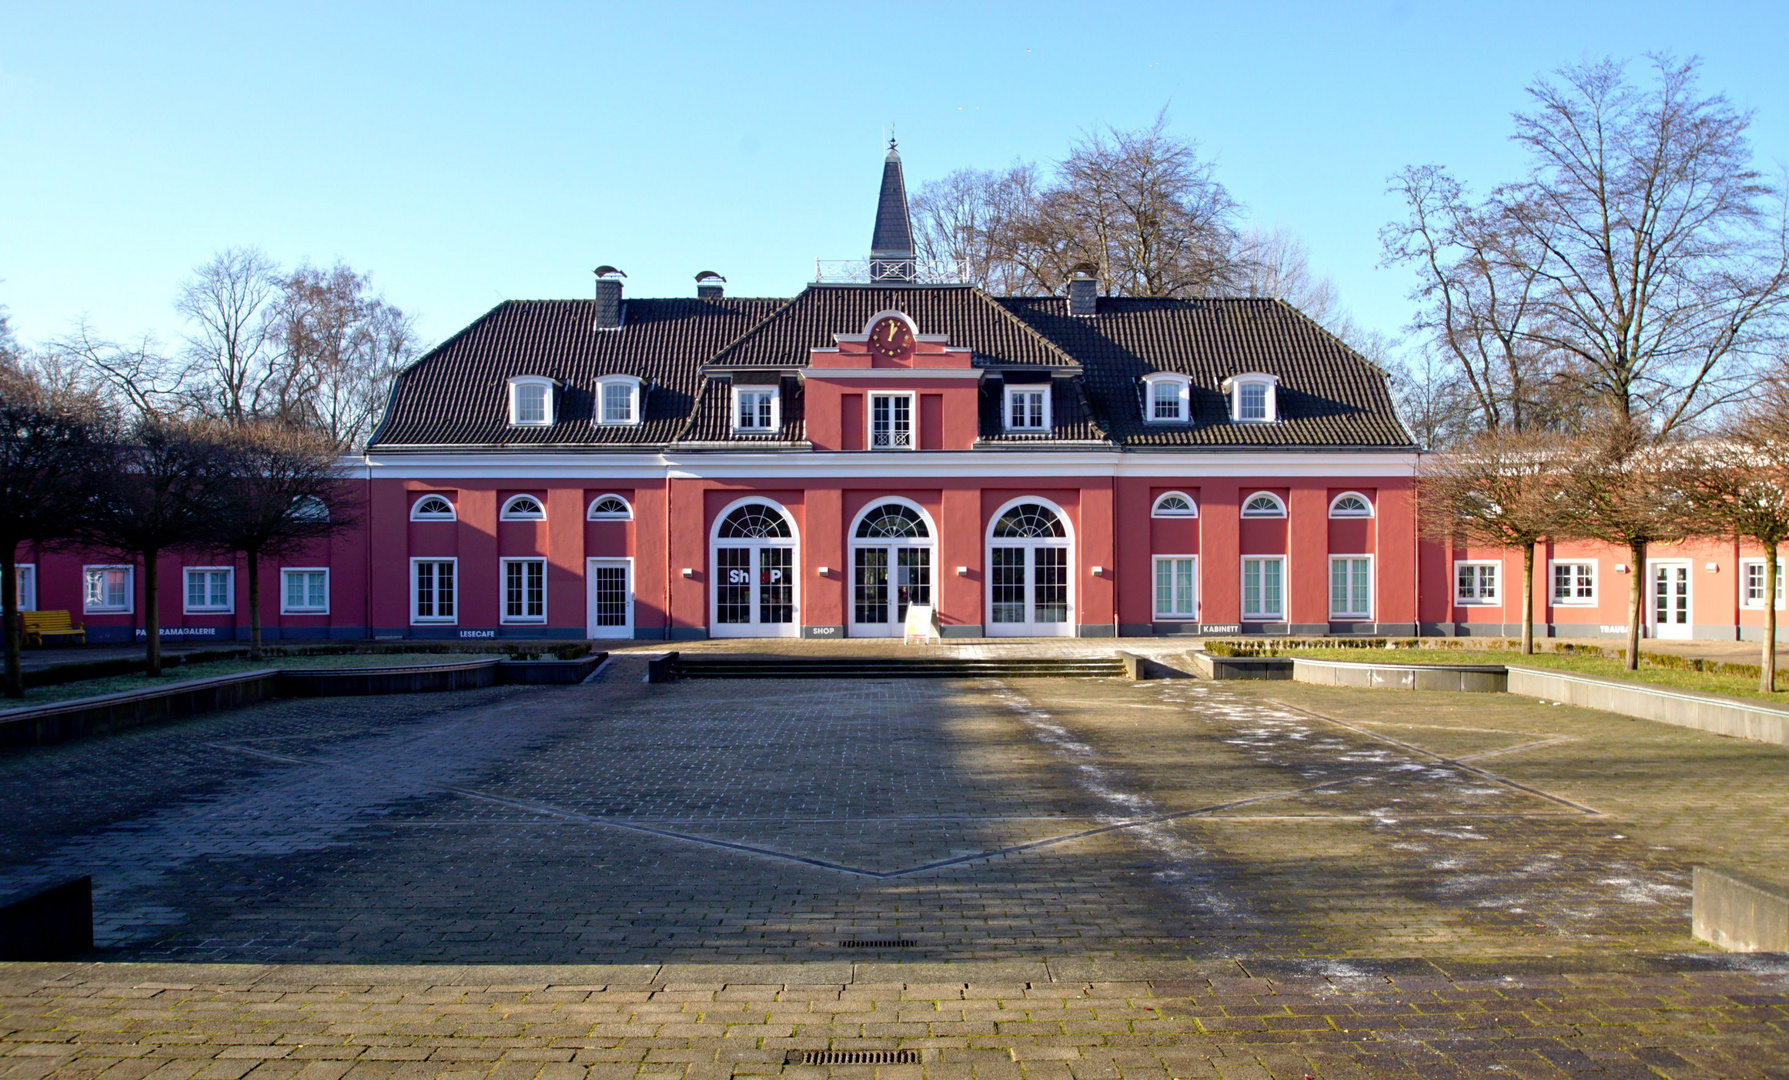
[1483, 883]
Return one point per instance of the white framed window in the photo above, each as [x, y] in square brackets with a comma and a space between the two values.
[208, 589]
[531, 401]
[1573, 581]
[757, 410]
[109, 590]
[618, 400]
[1350, 504]
[1751, 584]
[1476, 582]
[1168, 399]
[1028, 408]
[432, 508]
[522, 508]
[27, 598]
[524, 590]
[1254, 398]
[304, 590]
[1350, 587]
[891, 422]
[1264, 587]
[434, 596]
[1263, 504]
[609, 508]
[1174, 504]
[1176, 588]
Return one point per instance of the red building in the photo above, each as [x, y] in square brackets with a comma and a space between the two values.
[708, 466]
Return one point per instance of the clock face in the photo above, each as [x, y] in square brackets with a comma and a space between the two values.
[891, 339]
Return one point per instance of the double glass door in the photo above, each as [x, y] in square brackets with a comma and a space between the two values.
[755, 590]
[1029, 589]
[1669, 607]
[885, 579]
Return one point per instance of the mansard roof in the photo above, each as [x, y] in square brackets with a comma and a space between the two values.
[683, 350]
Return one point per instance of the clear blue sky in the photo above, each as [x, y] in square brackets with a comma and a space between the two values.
[469, 153]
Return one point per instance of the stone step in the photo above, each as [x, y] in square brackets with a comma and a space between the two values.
[890, 668]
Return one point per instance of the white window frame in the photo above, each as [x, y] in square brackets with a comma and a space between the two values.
[1351, 614]
[27, 597]
[633, 400]
[435, 620]
[1183, 398]
[869, 433]
[286, 607]
[1262, 614]
[516, 384]
[776, 410]
[1279, 504]
[1155, 594]
[503, 566]
[1156, 511]
[228, 607]
[1745, 568]
[1006, 411]
[129, 606]
[1557, 600]
[1478, 599]
[626, 515]
[416, 513]
[1350, 514]
[509, 513]
[1271, 403]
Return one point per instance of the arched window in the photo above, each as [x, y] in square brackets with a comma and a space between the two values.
[1263, 505]
[1174, 504]
[311, 508]
[892, 521]
[1350, 504]
[753, 521]
[432, 508]
[523, 508]
[1026, 520]
[609, 508]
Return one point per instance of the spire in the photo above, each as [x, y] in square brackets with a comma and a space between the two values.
[892, 244]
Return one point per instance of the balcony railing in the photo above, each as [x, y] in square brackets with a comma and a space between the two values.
[884, 271]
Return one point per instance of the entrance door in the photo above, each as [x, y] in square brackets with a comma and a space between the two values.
[1029, 591]
[1669, 607]
[891, 567]
[754, 574]
[610, 598]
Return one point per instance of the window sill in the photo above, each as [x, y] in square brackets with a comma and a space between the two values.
[434, 622]
[522, 622]
[306, 611]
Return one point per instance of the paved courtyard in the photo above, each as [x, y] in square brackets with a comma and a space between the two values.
[1015, 877]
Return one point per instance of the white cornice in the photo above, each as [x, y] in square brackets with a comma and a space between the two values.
[886, 373]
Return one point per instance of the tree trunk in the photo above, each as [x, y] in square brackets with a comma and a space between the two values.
[9, 612]
[1636, 600]
[254, 604]
[152, 623]
[1767, 674]
[1528, 599]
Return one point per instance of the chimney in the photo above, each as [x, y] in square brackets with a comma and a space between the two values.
[1083, 292]
[608, 298]
[710, 285]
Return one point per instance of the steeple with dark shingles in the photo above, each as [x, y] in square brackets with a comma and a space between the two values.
[891, 248]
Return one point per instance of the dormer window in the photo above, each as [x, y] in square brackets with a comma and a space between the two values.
[531, 401]
[1168, 398]
[757, 410]
[1028, 408]
[431, 508]
[1253, 398]
[523, 508]
[1263, 504]
[618, 400]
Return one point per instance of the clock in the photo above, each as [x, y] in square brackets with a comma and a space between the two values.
[891, 339]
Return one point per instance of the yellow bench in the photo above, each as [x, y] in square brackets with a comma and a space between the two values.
[42, 624]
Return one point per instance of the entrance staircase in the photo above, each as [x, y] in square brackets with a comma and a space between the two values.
[873, 667]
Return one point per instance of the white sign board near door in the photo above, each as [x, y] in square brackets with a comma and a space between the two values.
[922, 624]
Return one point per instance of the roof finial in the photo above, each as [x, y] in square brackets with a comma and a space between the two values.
[891, 135]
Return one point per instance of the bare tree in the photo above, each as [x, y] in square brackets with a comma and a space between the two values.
[1499, 490]
[228, 353]
[968, 225]
[137, 378]
[281, 488]
[50, 450]
[340, 347]
[1274, 263]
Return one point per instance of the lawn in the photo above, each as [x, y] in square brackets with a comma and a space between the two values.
[1711, 682]
[43, 695]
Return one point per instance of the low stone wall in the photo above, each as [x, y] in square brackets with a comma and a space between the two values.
[1470, 678]
[420, 679]
[1722, 716]
[1739, 913]
[549, 672]
[1242, 667]
[46, 724]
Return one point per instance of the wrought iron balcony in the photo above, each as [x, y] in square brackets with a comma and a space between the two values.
[885, 271]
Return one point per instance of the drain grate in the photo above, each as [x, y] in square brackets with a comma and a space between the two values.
[877, 943]
[851, 1057]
